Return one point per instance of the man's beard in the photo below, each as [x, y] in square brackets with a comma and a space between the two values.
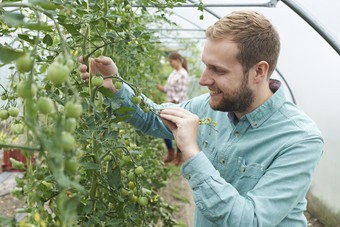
[237, 101]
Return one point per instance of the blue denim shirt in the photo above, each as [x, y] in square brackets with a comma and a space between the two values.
[255, 172]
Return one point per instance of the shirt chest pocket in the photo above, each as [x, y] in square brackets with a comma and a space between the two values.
[246, 175]
[207, 149]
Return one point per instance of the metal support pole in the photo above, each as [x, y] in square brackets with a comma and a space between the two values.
[314, 24]
[285, 81]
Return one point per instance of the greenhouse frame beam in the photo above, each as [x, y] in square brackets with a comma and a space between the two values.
[314, 24]
[189, 21]
[183, 37]
[271, 3]
[205, 9]
[177, 29]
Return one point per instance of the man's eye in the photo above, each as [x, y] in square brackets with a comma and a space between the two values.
[218, 70]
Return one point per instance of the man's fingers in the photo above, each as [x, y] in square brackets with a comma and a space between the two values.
[103, 60]
[81, 60]
[172, 121]
[93, 66]
[85, 76]
[82, 68]
[176, 111]
[170, 124]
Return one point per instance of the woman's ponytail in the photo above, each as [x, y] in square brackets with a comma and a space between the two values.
[183, 60]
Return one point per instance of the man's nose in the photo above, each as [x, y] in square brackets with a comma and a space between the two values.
[205, 79]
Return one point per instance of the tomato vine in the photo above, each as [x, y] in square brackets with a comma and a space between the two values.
[92, 169]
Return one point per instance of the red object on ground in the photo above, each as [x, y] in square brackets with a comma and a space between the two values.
[15, 154]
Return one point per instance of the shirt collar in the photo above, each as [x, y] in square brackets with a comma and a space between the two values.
[263, 112]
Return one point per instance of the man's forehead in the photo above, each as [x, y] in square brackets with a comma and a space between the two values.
[217, 52]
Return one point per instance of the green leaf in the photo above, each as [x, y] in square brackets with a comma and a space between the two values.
[27, 38]
[86, 134]
[121, 118]
[106, 92]
[48, 40]
[90, 120]
[7, 221]
[89, 165]
[17, 164]
[38, 27]
[73, 30]
[124, 110]
[14, 19]
[114, 102]
[7, 55]
[113, 178]
[46, 4]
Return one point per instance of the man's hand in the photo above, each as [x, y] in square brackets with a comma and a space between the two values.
[184, 127]
[103, 65]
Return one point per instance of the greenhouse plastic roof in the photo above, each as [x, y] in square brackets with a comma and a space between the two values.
[319, 14]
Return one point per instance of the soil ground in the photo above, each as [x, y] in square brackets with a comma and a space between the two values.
[177, 193]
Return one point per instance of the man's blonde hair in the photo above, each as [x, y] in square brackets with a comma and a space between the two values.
[256, 37]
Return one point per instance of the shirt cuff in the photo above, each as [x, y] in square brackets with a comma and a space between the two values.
[197, 169]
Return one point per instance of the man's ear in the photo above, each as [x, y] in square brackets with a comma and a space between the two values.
[261, 71]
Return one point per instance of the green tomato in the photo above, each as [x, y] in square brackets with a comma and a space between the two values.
[123, 173]
[71, 165]
[70, 64]
[107, 158]
[97, 81]
[124, 192]
[118, 85]
[4, 114]
[17, 128]
[131, 176]
[142, 201]
[73, 110]
[146, 109]
[131, 185]
[139, 170]
[134, 199]
[136, 99]
[60, 59]
[126, 158]
[22, 90]
[57, 73]
[70, 124]
[44, 105]
[47, 184]
[68, 141]
[128, 7]
[13, 111]
[97, 53]
[24, 63]
[3, 97]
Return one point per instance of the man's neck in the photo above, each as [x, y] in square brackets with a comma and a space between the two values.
[262, 96]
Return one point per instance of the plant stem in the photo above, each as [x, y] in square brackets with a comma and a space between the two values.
[2, 145]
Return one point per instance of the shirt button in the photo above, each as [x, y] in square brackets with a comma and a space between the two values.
[188, 176]
[243, 169]
[205, 144]
[237, 133]
[222, 160]
[255, 123]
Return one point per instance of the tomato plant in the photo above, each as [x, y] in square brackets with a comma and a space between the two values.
[93, 169]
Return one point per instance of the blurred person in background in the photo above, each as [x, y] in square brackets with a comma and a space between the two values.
[176, 92]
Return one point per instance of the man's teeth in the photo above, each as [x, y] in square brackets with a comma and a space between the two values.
[215, 92]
